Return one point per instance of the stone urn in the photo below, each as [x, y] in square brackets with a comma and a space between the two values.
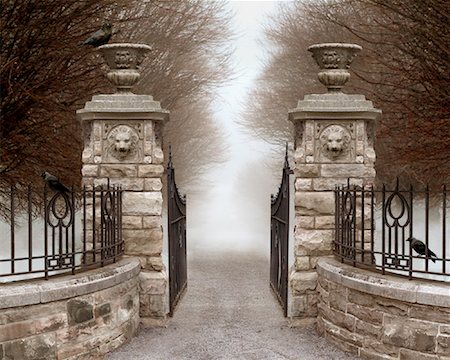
[334, 60]
[124, 61]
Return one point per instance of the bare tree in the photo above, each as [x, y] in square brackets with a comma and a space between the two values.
[45, 76]
[403, 68]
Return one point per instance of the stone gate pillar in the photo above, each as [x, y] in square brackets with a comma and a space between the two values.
[123, 143]
[334, 137]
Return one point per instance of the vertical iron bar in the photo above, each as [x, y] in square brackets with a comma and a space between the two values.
[411, 201]
[30, 231]
[45, 234]
[444, 215]
[362, 224]
[83, 257]
[372, 225]
[336, 217]
[93, 225]
[383, 230]
[13, 246]
[73, 231]
[354, 227]
[120, 220]
[427, 225]
[102, 225]
[344, 240]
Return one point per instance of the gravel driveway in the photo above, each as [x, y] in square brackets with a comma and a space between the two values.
[228, 312]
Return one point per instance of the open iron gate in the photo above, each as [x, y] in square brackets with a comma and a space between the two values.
[279, 239]
[177, 239]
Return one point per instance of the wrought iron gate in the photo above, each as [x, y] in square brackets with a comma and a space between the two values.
[177, 239]
[279, 239]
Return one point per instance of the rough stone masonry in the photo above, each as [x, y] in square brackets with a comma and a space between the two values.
[334, 137]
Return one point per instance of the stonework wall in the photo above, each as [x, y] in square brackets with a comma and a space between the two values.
[383, 317]
[73, 317]
[123, 145]
[334, 137]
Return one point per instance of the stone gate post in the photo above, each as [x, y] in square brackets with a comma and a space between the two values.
[123, 143]
[334, 137]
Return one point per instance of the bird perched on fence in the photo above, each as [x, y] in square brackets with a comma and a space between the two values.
[100, 37]
[53, 183]
[420, 248]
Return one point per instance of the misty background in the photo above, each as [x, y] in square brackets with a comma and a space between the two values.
[232, 210]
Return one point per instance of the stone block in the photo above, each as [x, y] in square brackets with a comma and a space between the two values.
[131, 222]
[443, 345]
[150, 171]
[152, 282]
[102, 310]
[343, 334]
[303, 306]
[23, 329]
[406, 354]
[304, 222]
[150, 222]
[412, 334]
[158, 156]
[366, 314]
[153, 263]
[361, 298]
[444, 329]
[89, 170]
[153, 184]
[143, 242]
[369, 355]
[313, 261]
[79, 311]
[153, 306]
[128, 183]
[324, 283]
[142, 203]
[303, 281]
[427, 313]
[347, 170]
[368, 329]
[40, 347]
[392, 307]
[314, 203]
[330, 183]
[118, 170]
[338, 299]
[307, 171]
[324, 222]
[302, 263]
[303, 184]
[337, 317]
[377, 346]
[324, 295]
[298, 305]
[313, 242]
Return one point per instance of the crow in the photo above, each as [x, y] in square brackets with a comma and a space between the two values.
[53, 183]
[420, 248]
[100, 37]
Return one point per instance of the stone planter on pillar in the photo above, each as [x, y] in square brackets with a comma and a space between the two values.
[334, 137]
[123, 143]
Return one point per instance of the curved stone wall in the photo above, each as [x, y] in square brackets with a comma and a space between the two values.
[383, 317]
[81, 316]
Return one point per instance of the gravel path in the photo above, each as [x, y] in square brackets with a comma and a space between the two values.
[228, 312]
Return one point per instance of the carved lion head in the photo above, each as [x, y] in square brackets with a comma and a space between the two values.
[122, 142]
[335, 141]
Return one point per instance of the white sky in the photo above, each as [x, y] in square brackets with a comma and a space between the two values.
[234, 210]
